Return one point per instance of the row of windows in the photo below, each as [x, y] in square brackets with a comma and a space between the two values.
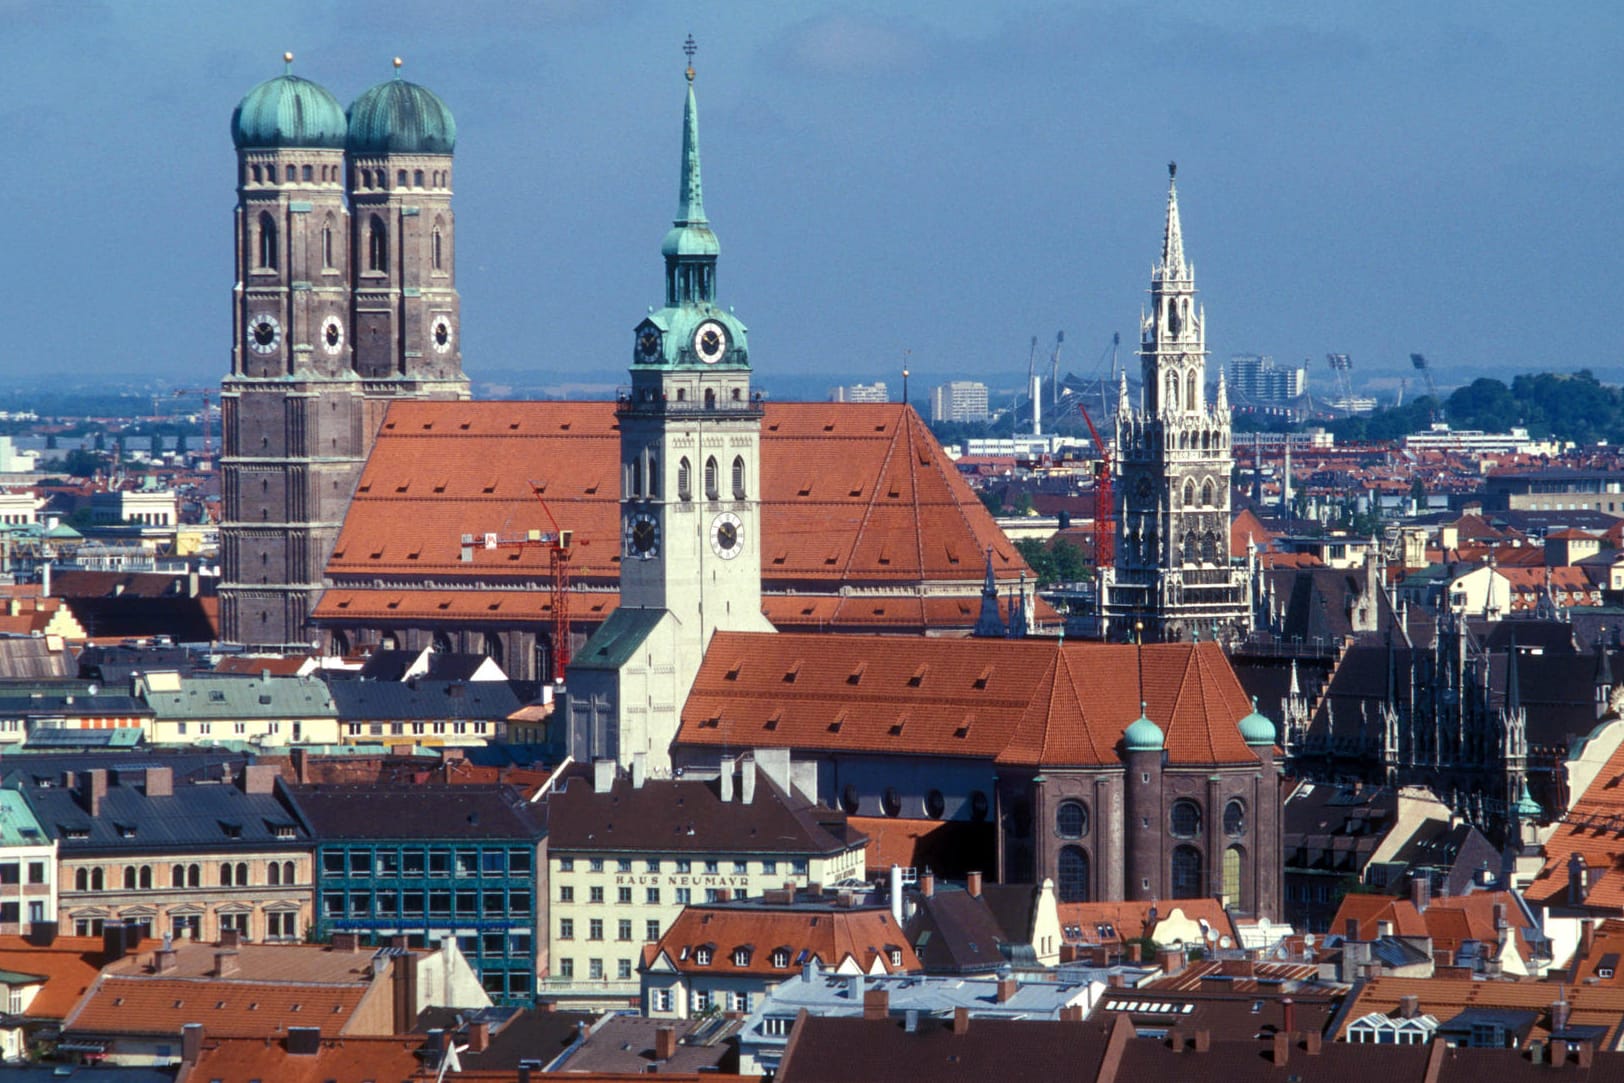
[1073, 882]
[421, 861]
[393, 903]
[711, 867]
[595, 970]
[377, 179]
[279, 924]
[851, 800]
[594, 929]
[685, 477]
[141, 877]
[417, 729]
[702, 1001]
[269, 251]
[682, 896]
[11, 872]
[266, 174]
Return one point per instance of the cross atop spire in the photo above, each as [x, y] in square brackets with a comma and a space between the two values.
[1172, 265]
[688, 50]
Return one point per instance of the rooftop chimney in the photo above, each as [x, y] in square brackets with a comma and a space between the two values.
[1384, 929]
[479, 1036]
[727, 780]
[350, 942]
[191, 1043]
[92, 788]
[1282, 1048]
[163, 960]
[1352, 930]
[603, 776]
[1006, 989]
[972, 884]
[961, 1020]
[747, 780]
[259, 778]
[927, 884]
[665, 1043]
[1420, 891]
[1409, 1006]
[160, 782]
[1559, 1016]
[226, 964]
[876, 1004]
[1203, 1040]
[1311, 1043]
[1288, 1015]
[230, 938]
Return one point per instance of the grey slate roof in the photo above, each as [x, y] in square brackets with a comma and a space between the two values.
[207, 698]
[415, 812]
[198, 816]
[391, 701]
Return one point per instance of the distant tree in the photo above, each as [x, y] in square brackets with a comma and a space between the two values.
[1418, 492]
[50, 442]
[101, 441]
[991, 501]
[78, 463]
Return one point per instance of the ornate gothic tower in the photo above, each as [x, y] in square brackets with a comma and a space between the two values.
[292, 408]
[341, 305]
[690, 441]
[406, 317]
[1173, 568]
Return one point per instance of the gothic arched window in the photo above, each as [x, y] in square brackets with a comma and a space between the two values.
[738, 477]
[1192, 548]
[1234, 857]
[1073, 870]
[634, 486]
[1235, 818]
[1186, 873]
[437, 252]
[712, 481]
[1207, 493]
[685, 479]
[1209, 547]
[491, 647]
[1189, 493]
[653, 474]
[327, 243]
[1192, 396]
[377, 246]
[268, 248]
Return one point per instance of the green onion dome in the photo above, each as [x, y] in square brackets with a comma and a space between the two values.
[397, 117]
[288, 112]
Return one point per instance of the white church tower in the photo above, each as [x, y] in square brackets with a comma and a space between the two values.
[690, 477]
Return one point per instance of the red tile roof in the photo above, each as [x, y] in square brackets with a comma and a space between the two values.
[1594, 830]
[69, 966]
[828, 934]
[230, 1009]
[1021, 701]
[340, 1060]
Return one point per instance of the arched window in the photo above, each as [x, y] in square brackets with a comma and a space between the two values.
[935, 804]
[259, 175]
[287, 873]
[340, 644]
[653, 474]
[288, 173]
[1185, 819]
[634, 486]
[491, 647]
[1071, 820]
[274, 875]
[710, 398]
[146, 877]
[438, 265]
[1232, 875]
[1192, 548]
[308, 174]
[685, 479]
[327, 244]
[441, 643]
[98, 880]
[712, 482]
[1073, 874]
[1209, 548]
[242, 874]
[194, 876]
[1235, 819]
[1207, 493]
[1192, 396]
[1189, 493]
[177, 876]
[1186, 873]
[417, 179]
[129, 878]
[738, 477]
[377, 246]
[1173, 321]
[268, 248]
[225, 875]
[400, 178]
[81, 880]
[1206, 440]
[850, 799]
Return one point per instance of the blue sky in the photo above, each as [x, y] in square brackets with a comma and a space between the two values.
[946, 178]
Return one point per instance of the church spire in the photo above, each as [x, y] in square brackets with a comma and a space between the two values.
[988, 621]
[691, 198]
[690, 248]
[1172, 265]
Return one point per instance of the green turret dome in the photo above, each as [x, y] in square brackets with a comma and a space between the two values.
[1142, 735]
[288, 112]
[1527, 808]
[398, 117]
[1256, 729]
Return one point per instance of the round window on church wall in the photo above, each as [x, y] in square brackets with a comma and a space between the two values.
[978, 806]
[849, 799]
[1071, 820]
[891, 801]
[935, 804]
[1185, 819]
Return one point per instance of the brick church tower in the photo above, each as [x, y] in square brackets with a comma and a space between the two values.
[331, 235]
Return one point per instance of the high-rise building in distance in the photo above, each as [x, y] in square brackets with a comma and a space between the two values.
[959, 400]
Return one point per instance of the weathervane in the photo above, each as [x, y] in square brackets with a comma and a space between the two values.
[689, 48]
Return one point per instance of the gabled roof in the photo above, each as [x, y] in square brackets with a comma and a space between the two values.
[851, 492]
[1019, 701]
[230, 1009]
[69, 965]
[418, 811]
[249, 1060]
[741, 938]
[1445, 998]
[954, 932]
[205, 697]
[427, 699]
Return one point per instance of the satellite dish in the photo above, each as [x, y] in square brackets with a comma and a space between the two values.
[1308, 940]
[1210, 933]
[1264, 925]
[1223, 941]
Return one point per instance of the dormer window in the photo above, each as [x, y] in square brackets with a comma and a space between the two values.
[702, 956]
[780, 958]
[741, 956]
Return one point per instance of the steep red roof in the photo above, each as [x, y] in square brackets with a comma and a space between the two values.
[230, 1009]
[337, 1060]
[1021, 701]
[827, 933]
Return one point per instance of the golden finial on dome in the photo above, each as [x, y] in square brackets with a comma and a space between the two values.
[398, 63]
[287, 63]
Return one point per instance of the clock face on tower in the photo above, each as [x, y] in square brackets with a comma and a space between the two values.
[264, 333]
[710, 342]
[642, 536]
[648, 344]
[727, 535]
[440, 332]
[332, 334]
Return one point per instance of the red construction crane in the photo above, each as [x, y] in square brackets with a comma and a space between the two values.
[207, 395]
[557, 543]
[1104, 502]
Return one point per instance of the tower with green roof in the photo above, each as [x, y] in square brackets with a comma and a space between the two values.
[690, 440]
[292, 409]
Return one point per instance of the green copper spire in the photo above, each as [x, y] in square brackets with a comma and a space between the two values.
[690, 248]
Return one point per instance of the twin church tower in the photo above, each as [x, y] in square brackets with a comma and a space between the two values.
[345, 300]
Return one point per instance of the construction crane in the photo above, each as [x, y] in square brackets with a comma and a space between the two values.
[207, 395]
[557, 542]
[1104, 500]
[1054, 369]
